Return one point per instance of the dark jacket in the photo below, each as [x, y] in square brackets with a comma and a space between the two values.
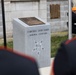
[65, 60]
[73, 22]
[12, 63]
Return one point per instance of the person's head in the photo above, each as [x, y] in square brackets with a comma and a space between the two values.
[74, 9]
[65, 62]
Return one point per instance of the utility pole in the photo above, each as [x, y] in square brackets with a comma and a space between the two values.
[70, 20]
[3, 19]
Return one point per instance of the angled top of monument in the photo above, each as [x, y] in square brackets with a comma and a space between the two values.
[31, 21]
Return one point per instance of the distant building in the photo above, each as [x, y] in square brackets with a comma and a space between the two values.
[53, 11]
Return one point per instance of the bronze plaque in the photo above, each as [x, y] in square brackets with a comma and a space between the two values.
[31, 21]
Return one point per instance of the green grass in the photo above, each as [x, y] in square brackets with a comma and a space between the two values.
[9, 44]
[55, 43]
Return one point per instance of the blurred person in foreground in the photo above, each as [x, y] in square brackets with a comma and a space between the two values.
[65, 59]
[14, 63]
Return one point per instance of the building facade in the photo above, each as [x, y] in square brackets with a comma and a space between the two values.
[53, 11]
[58, 15]
[23, 8]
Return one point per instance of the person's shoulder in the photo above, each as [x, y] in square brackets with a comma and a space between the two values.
[17, 63]
[69, 47]
[71, 41]
[16, 55]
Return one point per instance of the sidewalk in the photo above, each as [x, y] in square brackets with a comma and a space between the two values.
[46, 70]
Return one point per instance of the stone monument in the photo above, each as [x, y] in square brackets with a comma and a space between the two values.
[31, 36]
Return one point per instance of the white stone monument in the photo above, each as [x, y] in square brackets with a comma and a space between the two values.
[31, 36]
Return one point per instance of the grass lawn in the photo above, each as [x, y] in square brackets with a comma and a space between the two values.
[55, 43]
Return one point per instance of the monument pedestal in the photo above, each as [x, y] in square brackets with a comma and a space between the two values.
[31, 36]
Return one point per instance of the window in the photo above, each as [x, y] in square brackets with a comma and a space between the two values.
[54, 11]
